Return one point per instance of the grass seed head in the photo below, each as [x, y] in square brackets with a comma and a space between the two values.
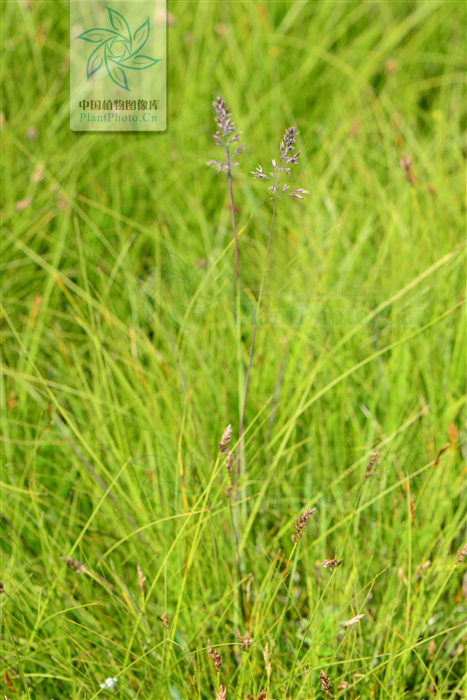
[226, 437]
[326, 684]
[370, 465]
[141, 578]
[74, 564]
[406, 164]
[165, 620]
[246, 641]
[461, 554]
[214, 656]
[286, 146]
[229, 465]
[353, 620]
[301, 523]
[225, 127]
[332, 563]
[221, 693]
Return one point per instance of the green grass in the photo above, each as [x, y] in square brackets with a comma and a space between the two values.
[120, 368]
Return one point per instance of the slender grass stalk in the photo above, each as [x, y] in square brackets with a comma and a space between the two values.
[253, 337]
[226, 127]
[223, 138]
[286, 146]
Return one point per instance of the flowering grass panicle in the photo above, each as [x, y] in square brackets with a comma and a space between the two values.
[287, 145]
[222, 137]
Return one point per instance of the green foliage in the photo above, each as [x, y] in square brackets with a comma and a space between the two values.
[119, 369]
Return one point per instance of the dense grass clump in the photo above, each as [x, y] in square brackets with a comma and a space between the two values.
[317, 546]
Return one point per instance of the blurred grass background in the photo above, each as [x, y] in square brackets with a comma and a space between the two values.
[119, 365]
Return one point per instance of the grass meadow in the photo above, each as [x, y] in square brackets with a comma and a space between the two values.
[126, 340]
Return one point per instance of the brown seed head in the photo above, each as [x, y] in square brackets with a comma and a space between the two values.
[221, 693]
[331, 563]
[225, 440]
[214, 656]
[165, 621]
[370, 465]
[461, 554]
[326, 684]
[229, 465]
[246, 641]
[406, 164]
[353, 620]
[301, 523]
[343, 685]
[74, 564]
[440, 452]
[141, 578]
